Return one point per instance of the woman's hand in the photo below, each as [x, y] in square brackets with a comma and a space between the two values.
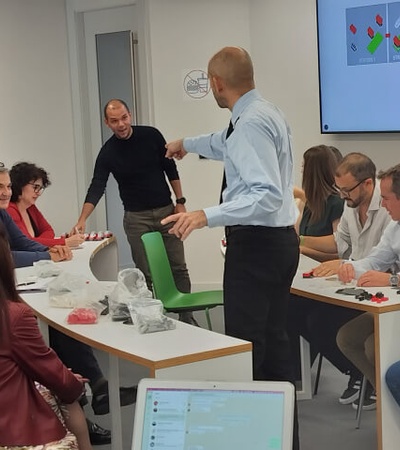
[75, 240]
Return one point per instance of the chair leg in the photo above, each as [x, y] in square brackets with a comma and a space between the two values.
[207, 311]
[317, 378]
[361, 401]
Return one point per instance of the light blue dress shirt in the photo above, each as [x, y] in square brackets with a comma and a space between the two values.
[385, 255]
[258, 165]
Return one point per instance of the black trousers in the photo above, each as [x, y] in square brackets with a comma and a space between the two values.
[319, 324]
[75, 355]
[260, 264]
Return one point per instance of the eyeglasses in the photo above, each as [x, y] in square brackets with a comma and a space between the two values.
[345, 192]
[37, 188]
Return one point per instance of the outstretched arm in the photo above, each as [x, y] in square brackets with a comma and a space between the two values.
[185, 223]
[175, 150]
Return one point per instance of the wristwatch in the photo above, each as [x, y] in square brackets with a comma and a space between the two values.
[181, 201]
[394, 280]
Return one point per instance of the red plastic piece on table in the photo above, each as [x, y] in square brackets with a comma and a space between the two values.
[308, 274]
[82, 316]
[376, 299]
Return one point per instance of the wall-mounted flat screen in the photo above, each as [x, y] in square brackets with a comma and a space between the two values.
[359, 65]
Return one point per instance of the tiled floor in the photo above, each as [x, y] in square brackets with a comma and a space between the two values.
[325, 424]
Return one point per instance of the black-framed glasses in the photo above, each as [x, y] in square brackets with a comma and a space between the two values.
[37, 188]
[344, 191]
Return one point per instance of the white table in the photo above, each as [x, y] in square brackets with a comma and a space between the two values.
[187, 352]
[387, 341]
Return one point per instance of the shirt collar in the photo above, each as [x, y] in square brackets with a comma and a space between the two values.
[376, 200]
[242, 104]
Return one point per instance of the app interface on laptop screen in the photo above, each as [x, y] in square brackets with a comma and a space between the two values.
[202, 419]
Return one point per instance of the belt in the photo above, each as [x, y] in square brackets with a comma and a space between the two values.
[230, 229]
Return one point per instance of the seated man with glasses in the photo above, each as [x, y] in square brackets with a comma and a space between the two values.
[362, 224]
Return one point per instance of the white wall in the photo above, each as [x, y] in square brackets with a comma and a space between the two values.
[193, 32]
[36, 113]
[284, 50]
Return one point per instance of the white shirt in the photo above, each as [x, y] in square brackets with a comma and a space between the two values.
[385, 255]
[354, 241]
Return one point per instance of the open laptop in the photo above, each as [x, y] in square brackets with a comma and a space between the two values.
[213, 415]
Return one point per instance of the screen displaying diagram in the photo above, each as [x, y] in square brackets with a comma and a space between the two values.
[373, 34]
[358, 52]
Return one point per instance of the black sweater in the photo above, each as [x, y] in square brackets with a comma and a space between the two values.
[139, 166]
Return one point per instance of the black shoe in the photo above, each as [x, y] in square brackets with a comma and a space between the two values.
[351, 393]
[369, 403]
[97, 434]
[101, 401]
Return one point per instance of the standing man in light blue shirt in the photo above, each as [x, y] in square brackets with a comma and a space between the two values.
[258, 212]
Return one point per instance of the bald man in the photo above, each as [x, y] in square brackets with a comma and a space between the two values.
[135, 155]
[258, 212]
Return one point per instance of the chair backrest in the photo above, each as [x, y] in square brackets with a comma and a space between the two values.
[160, 269]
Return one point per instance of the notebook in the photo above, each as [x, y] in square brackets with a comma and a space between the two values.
[207, 415]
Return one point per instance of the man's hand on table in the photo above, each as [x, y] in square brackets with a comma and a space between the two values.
[374, 278]
[327, 268]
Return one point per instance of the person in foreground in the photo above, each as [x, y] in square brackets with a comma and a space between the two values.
[27, 367]
[74, 354]
[135, 157]
[258, 212]
[379, 268]
[28, 184]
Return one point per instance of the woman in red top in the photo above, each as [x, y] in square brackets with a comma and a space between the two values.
[27, 365]
[28, 183]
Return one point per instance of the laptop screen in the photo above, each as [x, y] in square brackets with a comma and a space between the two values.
[217, 418]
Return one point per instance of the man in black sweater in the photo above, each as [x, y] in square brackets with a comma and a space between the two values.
[135, 155]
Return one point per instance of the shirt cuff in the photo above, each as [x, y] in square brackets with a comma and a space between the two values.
[214, 216]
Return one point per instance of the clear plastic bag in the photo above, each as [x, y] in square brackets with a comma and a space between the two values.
[70, 290]
[131, 285]
[46, 268]
[147, 316]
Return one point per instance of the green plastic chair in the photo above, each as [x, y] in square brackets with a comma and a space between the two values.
[164, 285]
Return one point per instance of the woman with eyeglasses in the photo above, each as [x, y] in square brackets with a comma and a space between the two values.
[28, 184]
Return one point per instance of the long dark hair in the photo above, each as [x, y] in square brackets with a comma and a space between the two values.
[318, 179]
[8, 290]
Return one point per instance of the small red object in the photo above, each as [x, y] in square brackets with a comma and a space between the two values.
[370, 32]
[353, 29]
[376, 299]
[308, 274]
[82, 316]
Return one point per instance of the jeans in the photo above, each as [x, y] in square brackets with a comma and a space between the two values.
[393, 381]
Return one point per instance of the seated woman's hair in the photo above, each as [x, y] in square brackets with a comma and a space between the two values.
[8, 290]
[320, 163]
[24, 173]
